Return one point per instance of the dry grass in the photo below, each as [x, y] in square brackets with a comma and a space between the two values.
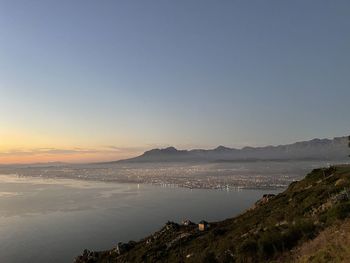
[331, 245]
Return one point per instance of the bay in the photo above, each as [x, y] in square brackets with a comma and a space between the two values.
[54, 220]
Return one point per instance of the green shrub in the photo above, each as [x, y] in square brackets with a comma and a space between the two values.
[248, 246]
[306, 228]
[269, 243]
[339, 211]
[291, 237]
[208, 257]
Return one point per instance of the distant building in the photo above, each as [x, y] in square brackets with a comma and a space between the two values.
[203, 225]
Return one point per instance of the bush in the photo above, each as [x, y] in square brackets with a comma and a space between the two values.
[219, 231]
[273, 241]
[269, 243]
[306, 227]
[248, 247]
[291, 237]
[208, 257]
[339, 211]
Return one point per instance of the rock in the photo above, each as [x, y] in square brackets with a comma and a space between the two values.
[187, 222]
[124, 247]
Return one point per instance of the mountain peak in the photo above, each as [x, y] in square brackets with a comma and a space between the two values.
[170, 149]
[222, 148]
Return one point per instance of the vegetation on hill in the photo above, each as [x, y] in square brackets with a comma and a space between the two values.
[331, 245]
[271, 231]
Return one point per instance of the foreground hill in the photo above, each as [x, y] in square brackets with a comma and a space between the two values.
[289, 227]
[317, 149]
[331, 245]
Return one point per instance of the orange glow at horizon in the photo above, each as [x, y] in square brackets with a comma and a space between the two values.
[74, 158]
[98, 156]
[20, 147]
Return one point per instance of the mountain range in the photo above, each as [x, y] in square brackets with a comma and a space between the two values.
[316, 149]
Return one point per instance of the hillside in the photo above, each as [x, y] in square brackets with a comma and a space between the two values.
[288, 227]
[331, 245]
[316, 149]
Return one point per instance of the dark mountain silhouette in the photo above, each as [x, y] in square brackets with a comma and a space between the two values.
[317, 149]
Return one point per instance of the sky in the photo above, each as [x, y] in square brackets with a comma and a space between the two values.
[87, 80]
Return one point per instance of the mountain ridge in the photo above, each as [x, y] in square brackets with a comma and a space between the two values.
[320, 149]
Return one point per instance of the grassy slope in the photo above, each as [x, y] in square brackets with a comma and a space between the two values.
[263, 234]
[331, 245]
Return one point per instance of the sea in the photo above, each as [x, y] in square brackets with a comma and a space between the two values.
[54, 220]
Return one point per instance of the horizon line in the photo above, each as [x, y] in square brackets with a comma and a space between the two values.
[162, 148]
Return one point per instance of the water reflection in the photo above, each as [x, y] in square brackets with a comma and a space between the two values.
[50, 220]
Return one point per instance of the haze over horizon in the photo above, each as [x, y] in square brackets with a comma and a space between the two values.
[89, 81]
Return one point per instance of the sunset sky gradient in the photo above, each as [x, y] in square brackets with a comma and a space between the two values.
[84, 81]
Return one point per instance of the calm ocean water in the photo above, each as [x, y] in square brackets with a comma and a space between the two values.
[48, 220]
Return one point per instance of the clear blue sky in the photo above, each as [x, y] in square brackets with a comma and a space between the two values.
[131, 75]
